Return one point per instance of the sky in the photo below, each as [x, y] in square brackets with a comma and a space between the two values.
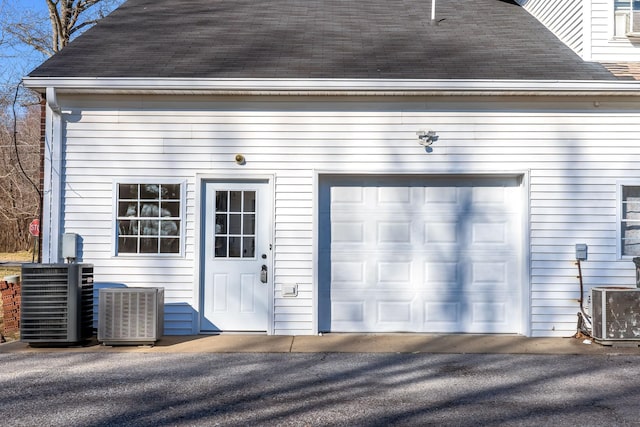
[17, 63]
[31, 4]
[24, 60]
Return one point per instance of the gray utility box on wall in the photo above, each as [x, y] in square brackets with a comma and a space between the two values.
[56, 303]
[128, 316]
[615, 314]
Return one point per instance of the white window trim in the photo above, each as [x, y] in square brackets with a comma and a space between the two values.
[619, 185]
[183, 212]
[612, 26]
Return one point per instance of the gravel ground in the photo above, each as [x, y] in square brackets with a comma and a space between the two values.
[293, 389]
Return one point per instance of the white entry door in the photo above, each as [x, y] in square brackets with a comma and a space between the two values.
[237, 257]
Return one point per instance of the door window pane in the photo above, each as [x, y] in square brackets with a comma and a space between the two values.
[221, 223]
[249, 224]
[249, 247]
[234, 247]
[221, 201]
[235, 201]
[221, 247]
[235, 224]
[249, 201]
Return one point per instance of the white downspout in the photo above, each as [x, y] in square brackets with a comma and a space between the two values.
[52, 192]
[433, 11]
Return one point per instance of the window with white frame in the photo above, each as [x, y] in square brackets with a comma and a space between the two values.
[630, 220]
[626, 18]
[149, 218]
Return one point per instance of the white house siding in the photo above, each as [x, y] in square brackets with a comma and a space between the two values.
[572, 152]
[564, 18]
[586, 26]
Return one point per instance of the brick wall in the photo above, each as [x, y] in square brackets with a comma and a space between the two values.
[10, 307]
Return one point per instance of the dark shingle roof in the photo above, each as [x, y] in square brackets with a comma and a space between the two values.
[474, 39]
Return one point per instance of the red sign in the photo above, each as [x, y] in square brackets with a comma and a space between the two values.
[34, 228]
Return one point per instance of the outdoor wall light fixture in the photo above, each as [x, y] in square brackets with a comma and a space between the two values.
[240, 159]
[426, 137]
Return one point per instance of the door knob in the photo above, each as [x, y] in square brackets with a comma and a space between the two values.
[263, 274]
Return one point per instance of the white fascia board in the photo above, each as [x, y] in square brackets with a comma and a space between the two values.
[332, 86]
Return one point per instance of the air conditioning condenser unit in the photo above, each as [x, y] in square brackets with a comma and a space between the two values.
[615, 315]
[129, 316]
[56, 303]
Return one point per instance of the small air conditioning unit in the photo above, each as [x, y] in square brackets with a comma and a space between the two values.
[128, 316]
[627, 24]
[615, 314]
[56, 303]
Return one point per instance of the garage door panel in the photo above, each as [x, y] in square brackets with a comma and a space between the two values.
[499, 233]
[492, 233]
[381, 271]
[441, 274]
[441, 232]
[441, 315]
[441, 197]
[373, 271]
[351, 311]
[348, 273]
[483, 196]
[489, 312]
[394, 274]
[348, 196]
[420, 254]
[419, 313]
[489, 275]
[394, 312]
[488, 234]
[469, 313]
[393, 195]
[348, 232]
[398, 231]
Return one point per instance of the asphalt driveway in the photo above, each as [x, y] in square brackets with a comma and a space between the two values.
[89, 388]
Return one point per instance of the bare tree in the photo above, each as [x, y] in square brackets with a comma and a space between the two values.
[19, 171]
[49, 32]
[27, 37]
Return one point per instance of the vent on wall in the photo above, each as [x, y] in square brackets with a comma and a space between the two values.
[130, 315]
[615, 314]
[56, 303]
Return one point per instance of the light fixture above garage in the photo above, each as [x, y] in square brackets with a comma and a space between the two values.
[426, 137]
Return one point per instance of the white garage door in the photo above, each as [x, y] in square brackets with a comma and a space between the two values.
[420, 254]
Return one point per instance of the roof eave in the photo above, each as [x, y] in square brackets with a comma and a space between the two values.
[362, 87]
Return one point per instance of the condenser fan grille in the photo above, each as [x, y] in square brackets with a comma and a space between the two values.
[130, 315]
[56, 303]
[616, 314]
